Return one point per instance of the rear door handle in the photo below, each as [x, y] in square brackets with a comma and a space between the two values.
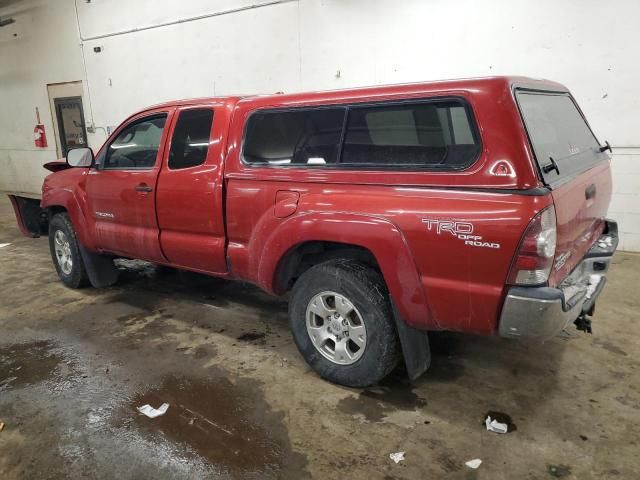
[143, 187]
[590, 191]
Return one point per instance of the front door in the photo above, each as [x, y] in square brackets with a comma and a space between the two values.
[121, 190]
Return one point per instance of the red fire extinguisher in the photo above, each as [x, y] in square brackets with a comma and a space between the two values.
[39, 135]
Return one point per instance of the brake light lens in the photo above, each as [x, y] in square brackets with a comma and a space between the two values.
[534, 259]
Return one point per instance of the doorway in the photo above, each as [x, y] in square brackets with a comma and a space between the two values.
[65, 101]
[71, 126]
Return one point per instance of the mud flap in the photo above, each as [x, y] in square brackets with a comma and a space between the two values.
[415, 346]
[100, 269]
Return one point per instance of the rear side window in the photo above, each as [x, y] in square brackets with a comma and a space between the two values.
[558, 131]
[428, 134]
[136, 146]
[294, 137]
[190, 142]
[438, 134]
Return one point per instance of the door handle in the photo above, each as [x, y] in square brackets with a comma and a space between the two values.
[590, 191]
[143, 187]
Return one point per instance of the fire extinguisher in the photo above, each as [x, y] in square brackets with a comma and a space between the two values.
[39, 135]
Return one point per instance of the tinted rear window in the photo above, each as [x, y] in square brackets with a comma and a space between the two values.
[435, 133]
[558, 131]
[300, 137]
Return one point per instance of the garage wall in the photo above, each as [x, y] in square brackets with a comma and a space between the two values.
[237, 50]
[156, 50]
[625, 205]
[41, 47]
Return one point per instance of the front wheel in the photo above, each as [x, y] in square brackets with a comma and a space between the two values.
[65, 252]
[342, 323]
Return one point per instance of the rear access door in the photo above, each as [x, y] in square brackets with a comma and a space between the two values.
[189, 199]
[572, 163]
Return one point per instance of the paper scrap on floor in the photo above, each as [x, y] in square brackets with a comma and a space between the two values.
[495, 426]
[475, 463]
[397, 457]
[151, 412]
[2, 245]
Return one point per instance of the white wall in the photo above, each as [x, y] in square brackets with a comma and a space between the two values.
[589, 45]
[250, 51]
[625, 205]
[45, 49]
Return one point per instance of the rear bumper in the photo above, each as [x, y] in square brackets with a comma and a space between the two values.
[543, 312]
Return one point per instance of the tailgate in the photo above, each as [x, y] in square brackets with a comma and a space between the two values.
[580, 220]
[573, 166]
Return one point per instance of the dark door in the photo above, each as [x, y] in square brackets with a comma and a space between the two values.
[71, 126]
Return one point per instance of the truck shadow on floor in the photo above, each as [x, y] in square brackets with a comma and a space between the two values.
[453, 355]
[212, 291]
[476, 366]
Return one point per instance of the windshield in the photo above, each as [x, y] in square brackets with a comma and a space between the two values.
[558, 131]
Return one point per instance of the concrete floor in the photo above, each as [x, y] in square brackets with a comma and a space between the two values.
[243, 404]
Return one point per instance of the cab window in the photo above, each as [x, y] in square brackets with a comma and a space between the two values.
[136, 146]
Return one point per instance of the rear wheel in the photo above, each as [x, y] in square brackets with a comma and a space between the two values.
[342, 323]
[65, 252]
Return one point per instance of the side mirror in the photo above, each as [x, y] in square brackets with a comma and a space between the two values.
[80, 157]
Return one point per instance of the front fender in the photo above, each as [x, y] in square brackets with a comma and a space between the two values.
[73, 200]
[380, 236]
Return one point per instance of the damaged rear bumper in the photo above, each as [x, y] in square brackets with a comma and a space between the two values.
[544, 312]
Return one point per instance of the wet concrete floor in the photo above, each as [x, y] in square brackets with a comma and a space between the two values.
[75, 365]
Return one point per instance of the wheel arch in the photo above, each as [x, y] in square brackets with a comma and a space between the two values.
[63, 201]
[302, 256]
[374, 240]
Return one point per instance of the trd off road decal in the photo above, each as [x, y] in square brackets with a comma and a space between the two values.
[461, 230]
[104, 215]
[561, 260]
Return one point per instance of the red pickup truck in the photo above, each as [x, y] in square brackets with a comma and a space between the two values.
[385, 212]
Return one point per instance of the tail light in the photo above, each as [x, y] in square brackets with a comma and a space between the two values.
[534, 258]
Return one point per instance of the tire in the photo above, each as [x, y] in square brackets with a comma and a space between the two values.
[63, 245]
[357, 360]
